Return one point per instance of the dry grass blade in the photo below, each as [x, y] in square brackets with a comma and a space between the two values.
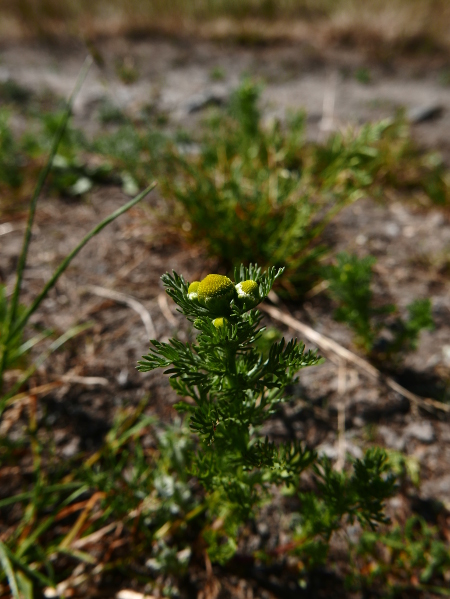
[327, 344]
[128, 594]
[95, 536]
[85, 380]
[40, 390]
[70, 537]
[129, 301]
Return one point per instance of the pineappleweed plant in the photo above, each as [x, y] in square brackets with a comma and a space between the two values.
[229, 390]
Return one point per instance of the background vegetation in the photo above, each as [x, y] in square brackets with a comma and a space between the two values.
[402, 24]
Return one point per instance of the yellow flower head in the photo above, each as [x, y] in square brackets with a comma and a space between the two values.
[248, 294]
[215, 292]
[219, 322]
[193, 290]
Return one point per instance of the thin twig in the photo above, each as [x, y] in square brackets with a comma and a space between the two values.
[93, 537]
[129, 301]
[128, 594]
[85, 380]
[327, 344]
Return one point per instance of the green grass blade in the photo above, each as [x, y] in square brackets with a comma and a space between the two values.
[68, 259]
[25, 585]
[46, 490]
[33, 573]
[12, 311]
[28, 542]
[75, 495]
[25, 347]
[77, 554]
[10, 575]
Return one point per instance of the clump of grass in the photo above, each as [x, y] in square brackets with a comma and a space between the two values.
[217, 74]
[256, 191]
[135, 154]
[15, 317]
[363, 75]
[246, 195]
[22, 555]
[127, 71]
[381, 156]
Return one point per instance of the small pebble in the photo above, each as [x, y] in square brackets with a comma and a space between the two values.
[446, 354]
[391, 438]
[392, 229]
[422, 431]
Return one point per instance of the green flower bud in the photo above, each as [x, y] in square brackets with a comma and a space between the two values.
[215, 292]
[247, 294]
[193, 290]
[219, 322]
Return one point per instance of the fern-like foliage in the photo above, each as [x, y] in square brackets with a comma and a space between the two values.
[229, 389]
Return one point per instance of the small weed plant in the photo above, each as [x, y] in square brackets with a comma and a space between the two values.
[229, 390]
[350, 285]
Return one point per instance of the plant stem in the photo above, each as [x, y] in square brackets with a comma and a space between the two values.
[68, 259]
[12, 311]
[231, 364]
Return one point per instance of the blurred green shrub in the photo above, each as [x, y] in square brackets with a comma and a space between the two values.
[379, 157]
[404, 557]
[262, 192]
[247, 196]
[350, 286]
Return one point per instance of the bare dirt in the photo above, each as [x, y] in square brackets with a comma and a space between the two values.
[412, 246]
